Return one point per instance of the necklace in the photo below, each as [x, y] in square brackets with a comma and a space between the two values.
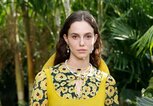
[77, 69]
[82, 76]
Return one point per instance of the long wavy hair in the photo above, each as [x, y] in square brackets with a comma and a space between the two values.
[61, 47]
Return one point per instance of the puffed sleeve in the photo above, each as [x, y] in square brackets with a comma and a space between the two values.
[111, 92]
[39, 92]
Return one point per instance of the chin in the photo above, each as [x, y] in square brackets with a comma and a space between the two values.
[82, 57]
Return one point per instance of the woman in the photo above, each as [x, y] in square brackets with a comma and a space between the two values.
[75, 78]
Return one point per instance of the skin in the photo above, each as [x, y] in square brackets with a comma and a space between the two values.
[80, 39]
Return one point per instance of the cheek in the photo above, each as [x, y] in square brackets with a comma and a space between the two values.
[72, 45]
[91, 42]
[90, 46]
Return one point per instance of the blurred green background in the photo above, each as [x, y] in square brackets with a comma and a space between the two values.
[29, 31]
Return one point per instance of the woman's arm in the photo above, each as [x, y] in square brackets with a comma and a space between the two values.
[39, 92]
[111, 92]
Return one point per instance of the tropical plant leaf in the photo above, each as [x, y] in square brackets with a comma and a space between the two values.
[144, 101]
[144, 44]
[120, 30]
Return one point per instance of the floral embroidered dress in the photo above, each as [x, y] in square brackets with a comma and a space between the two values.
[64, 82]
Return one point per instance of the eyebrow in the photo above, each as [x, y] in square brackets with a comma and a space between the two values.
[74, 34]
[78, 34]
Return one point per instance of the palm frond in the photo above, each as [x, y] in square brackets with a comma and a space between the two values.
[144, 43]
[121, 31]
[144, 101]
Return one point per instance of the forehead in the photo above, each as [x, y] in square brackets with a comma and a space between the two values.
[80, 27]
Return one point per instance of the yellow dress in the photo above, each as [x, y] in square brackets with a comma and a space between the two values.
[54, 87]
[97, 100]
[50, 89]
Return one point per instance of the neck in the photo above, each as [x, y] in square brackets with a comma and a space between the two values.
[78, 64]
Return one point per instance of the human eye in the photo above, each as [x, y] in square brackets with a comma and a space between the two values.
[74, 36]
[88, 36]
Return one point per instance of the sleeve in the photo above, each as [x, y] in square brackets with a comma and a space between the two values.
[111, 92]
[39, 92]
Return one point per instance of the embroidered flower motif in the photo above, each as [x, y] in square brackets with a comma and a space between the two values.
[67, 96]
[116, 99]
[56, 85]
[71, 90]
[110, 91]
[60, 77]
[63, 69]
[97, 83]
[43, 85]
[92, 93]
[64, 89]
[63, 83]
[108, 102]
[40, 76]
[55, 71]
[111, 80]
[92, 79]
[38, 94]
[86, 90]
[71, 77]
[71, 83]
[36, 104]
[93, 86]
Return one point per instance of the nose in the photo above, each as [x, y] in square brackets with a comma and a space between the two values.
[81, 42]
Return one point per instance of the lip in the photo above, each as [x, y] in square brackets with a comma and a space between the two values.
[82, 50]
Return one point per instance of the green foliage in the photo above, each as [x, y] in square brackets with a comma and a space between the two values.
[147, 95]
[144, 101]
[85, 5]
[144, 44]
[125, 26]
[148, 92]
[121, 58]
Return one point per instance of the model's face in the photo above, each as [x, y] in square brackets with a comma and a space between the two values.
[81, 39]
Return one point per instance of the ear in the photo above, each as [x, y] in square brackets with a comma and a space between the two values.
[95, 37]
[65, 38]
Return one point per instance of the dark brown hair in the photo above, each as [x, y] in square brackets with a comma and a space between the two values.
[61, 50]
